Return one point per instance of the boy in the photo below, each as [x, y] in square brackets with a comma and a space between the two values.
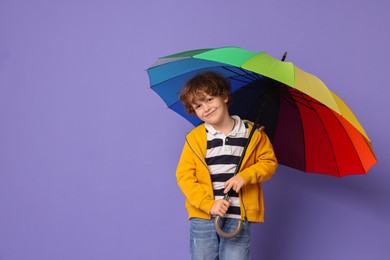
[207, 165]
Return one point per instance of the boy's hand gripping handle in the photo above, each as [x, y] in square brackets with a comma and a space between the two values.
[219, 230]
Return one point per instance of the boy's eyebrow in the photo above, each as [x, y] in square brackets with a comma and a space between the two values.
[197, 100]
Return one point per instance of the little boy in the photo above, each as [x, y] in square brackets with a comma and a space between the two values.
[206, 169]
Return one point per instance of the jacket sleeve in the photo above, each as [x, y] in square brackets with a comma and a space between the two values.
[265, 162]
[189, 181]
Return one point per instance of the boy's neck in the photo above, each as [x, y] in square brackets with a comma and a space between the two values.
[226, 126]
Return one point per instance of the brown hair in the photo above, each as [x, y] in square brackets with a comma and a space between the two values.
[206, 83]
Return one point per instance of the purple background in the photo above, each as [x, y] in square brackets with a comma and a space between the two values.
[88, 152]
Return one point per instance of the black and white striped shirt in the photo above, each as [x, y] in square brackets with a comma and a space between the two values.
[222, 156]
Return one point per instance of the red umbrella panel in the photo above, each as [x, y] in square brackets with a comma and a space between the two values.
[313, 138]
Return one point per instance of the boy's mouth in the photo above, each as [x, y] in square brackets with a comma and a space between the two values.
[210, 113]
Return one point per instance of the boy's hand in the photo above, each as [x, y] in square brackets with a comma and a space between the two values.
[235, 183]
[220, 207]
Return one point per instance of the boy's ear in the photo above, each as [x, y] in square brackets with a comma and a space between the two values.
[226, 99]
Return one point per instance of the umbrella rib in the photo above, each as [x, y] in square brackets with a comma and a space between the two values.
[349, 138]
[293, 93]
[289, 100]
[235, 78]
[250, 76]
[301, 95]
[327, 133]
[295, 96]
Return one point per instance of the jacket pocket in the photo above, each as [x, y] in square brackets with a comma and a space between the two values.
[251, 197]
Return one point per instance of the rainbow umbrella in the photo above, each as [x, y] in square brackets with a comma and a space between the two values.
[310, 127]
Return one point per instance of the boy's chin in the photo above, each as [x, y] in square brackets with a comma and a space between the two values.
[212, 122]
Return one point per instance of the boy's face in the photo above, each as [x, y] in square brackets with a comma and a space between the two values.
[211, 109]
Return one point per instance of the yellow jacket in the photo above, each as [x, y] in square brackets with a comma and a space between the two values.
[194, 179]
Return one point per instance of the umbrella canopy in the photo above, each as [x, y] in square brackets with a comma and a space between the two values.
[310, 127]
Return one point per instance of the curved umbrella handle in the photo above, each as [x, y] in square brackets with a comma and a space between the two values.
[224, 234]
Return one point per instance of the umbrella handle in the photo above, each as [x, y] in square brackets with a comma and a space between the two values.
[224, 234]
[219, 230]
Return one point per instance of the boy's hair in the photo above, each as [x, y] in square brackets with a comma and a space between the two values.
[206, 83]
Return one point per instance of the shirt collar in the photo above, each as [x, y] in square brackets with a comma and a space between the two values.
[239, 127]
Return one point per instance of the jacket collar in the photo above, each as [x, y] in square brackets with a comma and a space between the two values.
[239, 127]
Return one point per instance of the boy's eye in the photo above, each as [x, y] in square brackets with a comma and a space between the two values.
[210, 99]
[197, 106]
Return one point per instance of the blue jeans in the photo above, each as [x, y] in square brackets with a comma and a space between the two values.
[205, 244]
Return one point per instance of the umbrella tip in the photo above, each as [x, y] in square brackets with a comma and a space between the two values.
[284, 55]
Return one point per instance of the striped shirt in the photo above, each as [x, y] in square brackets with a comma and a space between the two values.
[222, 156]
